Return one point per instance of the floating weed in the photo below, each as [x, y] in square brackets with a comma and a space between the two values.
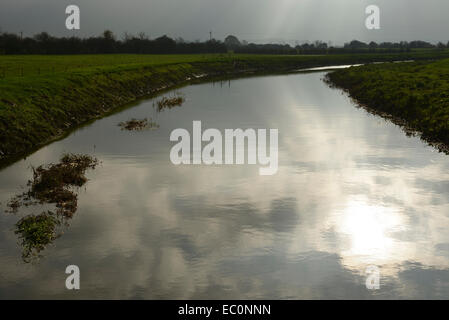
[135, 124]
[170, 102]
[36, 233]
[51, 184]
[70, 171]
[13, 204]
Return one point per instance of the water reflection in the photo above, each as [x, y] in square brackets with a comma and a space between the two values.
[351, 190]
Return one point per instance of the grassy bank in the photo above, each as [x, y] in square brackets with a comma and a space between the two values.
[43, 97]
[415, 95]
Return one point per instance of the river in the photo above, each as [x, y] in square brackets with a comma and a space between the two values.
[352, 191]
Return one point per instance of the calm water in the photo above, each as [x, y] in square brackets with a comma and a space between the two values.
[351, 191]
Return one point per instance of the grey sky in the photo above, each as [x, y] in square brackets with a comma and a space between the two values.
[253, 20]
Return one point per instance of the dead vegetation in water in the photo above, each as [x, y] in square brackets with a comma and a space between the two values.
[170, 102]
[51, 184]
[136, 124]
[13, 204]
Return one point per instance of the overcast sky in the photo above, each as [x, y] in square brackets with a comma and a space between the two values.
[253, 20]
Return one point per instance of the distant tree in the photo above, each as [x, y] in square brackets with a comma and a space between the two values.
[143, 36]
[373, 45]
[232, 42]
[164, 44]
[127, 36]
[421, 44]
[320, 44]
[108, 35]
[355, 44]
[42, 37]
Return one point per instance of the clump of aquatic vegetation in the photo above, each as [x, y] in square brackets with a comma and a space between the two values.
[36, 232]
[136, 124]
[170, 102]
[14, 204]
[415, 95]
[51, 184]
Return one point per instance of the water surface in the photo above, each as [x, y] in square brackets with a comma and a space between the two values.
[352, 190]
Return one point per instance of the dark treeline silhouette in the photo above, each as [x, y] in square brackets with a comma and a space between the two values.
[319, 47]
[43, 43]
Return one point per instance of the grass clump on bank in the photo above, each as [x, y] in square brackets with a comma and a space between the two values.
[415, 95]
[36, 107]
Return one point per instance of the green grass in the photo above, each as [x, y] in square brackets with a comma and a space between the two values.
[416, 93]
[35, 65]
[43, 97]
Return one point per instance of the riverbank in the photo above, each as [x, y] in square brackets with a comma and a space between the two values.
[44, 97]
[413, 95]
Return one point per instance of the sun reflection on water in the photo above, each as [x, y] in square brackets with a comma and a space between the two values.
[369, 228]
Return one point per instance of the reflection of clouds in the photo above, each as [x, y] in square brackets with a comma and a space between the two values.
[349, 192]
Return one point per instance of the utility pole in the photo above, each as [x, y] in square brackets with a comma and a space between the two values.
[21, 35]
[210, 35]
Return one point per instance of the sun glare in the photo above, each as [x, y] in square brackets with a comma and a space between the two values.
[368, 227]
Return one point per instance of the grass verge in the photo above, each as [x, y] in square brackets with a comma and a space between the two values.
[414, 95]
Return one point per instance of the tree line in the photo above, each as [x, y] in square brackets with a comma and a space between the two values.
[320, 47]
[44, 43]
